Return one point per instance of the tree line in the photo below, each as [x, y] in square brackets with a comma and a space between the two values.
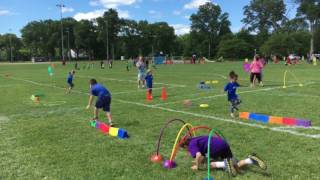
[267, 31]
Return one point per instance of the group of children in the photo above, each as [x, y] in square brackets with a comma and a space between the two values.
[96, 90]
[221, 154]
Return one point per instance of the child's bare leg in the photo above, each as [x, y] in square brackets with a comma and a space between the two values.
[96, 113]
[218, 165]
[109, 116]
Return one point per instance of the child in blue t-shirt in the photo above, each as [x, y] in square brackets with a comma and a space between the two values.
[70, 81]
[231, 89]
[149, 81]
[103, 100]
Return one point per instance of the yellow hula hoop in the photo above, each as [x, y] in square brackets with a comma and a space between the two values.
[284, 79]
[295, 77]
[178, 136]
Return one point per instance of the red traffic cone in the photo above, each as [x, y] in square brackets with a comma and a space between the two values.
[164, 94]
[149, 96]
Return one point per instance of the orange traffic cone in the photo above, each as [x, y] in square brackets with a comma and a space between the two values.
[164, 94]
[149, 96]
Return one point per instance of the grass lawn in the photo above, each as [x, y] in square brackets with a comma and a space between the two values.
[53, 140]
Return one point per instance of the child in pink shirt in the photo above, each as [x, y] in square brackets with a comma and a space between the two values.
[256, 71]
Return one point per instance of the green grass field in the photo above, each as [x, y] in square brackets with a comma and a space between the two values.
[53, 140]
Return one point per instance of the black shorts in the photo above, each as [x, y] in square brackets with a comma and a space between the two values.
[257, 75]
[70, 84]
[226, 153]
[104, 103]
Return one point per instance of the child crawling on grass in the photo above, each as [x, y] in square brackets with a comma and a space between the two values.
[221, 155]
[231, 89]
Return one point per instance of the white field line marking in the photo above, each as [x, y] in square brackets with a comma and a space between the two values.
[225, 77]
[76, 91]
[139, 91]
[276, 129]
[292, 95]
[3, 120]
[241, 92]
[45, 85]
[10, 85]
[54, 111]
[132, 81]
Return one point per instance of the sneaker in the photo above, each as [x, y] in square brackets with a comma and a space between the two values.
[258, 161]
[232, 115]
[95, 119]
[261, 84]
[230, 167]
[111, 124]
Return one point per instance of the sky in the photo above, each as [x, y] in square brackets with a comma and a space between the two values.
[15, 14]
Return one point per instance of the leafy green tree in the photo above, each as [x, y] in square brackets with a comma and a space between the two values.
[207, 26]
[85, 37]
[264, 15]
[294, 25]
[282, 44]
[310, 10]
[235, 48]
[108, 29]
[10, 42]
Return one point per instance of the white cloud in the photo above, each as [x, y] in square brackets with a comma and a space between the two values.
[187, 16]
[4, 12]
[152, 12]
[112, 3]
[98, 13]
[194, 4]
[94, 3]
[123, 14]
[89, 15]
[181, 29]
[67, 9]
[176, 12]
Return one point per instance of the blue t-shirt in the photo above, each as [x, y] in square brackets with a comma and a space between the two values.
[149, 79]
[70, 78]
[200, 144]
[99, 91]
[231, 89]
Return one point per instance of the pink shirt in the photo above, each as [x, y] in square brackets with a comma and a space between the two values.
[256, 67]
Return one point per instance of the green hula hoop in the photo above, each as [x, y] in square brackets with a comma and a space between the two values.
[213, 131]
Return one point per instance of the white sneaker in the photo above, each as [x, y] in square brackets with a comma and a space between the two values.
[261, 84]
[232, 115]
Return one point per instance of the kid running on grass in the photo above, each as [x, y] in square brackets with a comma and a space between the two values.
[220, 154]
[103, 100]
[149, 81]
[70, 81]
[231, 89]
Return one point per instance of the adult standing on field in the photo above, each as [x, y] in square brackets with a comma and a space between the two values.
[256, 71]
[141, 72]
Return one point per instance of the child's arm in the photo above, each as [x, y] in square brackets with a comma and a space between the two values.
[198, 161]
[90, 102]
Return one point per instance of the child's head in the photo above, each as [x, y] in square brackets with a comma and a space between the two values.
[233, 76]
[256, 57]
[149, 71]
[93, 82]
[186, 143]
